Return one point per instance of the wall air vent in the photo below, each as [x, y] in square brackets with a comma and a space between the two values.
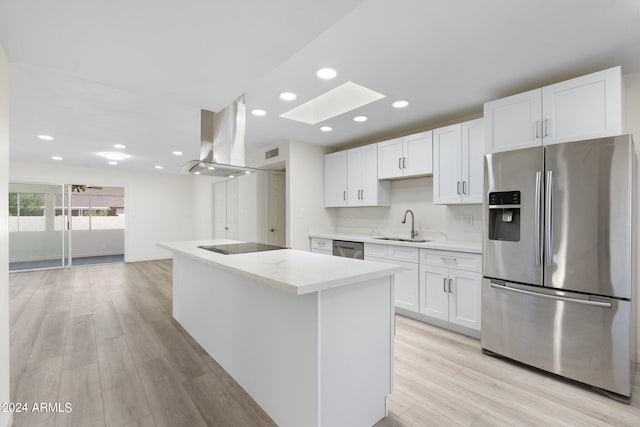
[272, 153]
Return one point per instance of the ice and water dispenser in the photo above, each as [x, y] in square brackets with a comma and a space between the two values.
[504, 216]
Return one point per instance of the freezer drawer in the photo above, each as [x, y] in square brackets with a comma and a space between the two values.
[561, 332]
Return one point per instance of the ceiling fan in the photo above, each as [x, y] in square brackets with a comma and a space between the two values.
[77, 188]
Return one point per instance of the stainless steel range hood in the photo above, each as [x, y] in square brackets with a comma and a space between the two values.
[221, 143]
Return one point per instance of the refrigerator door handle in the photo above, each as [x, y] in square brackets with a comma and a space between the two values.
[537, 218]
[554, 297]
[548, 220]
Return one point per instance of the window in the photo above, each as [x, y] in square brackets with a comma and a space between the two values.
[97, 212]
[26, 212]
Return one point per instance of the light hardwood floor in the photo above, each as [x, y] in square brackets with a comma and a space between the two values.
[102, 337]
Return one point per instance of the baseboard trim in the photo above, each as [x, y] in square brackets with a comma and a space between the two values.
[439, 323]
[6, 420]
[160, 258]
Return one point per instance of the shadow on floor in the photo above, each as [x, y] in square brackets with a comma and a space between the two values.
[27, 265]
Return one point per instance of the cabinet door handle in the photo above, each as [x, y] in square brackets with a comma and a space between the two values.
[444, 285]
[399, 162]
[537, 126]
[546, 127]
[404, 163]
[450, 281]
[458, 187]
[464, 187]
[344, 195]
[361, 194]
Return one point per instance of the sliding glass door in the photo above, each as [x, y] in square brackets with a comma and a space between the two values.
[38, 226]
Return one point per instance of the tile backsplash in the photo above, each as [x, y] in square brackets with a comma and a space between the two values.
[415, 194]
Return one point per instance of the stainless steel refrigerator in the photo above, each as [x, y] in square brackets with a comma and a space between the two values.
[559, 260]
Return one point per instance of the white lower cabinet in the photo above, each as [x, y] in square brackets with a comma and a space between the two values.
[450, 284]
[406, 283]
[321, 246]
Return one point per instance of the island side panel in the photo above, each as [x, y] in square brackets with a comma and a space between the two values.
[356, 352]
[266, 339]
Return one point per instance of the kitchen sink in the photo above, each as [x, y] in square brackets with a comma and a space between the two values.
[401, 239]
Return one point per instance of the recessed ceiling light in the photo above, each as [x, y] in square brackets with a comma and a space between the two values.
[56, 158]
[326, 128]
[360, 119]
[247, 172]
[196, 173]
[326, 73]
[258, 112]
[211, 168]
[121, 146]
[114, 155]
[229, 176]
[177, 153]
[158, 167]
[288, 96]
[400, 104]
[46, 137]
[113, 163]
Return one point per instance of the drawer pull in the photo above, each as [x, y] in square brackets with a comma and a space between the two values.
[449, 259]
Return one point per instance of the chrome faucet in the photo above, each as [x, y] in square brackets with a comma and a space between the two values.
[414, 233]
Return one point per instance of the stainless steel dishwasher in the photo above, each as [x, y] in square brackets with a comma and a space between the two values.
[348, 249]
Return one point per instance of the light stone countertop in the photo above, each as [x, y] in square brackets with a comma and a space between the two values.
[468, 246]
[292, 271]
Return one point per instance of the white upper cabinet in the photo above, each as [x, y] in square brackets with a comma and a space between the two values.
[458, 163]
[351, 179]
[390, 159]
[418, 152]
[405, 157]
[582, 108]
[472, 161]
[513, 122]
[363, 188]
[447, 153]
[335, 179]
[585, 107]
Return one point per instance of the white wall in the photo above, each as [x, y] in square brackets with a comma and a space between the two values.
[305, 188]
[5, 418]
[158, 205]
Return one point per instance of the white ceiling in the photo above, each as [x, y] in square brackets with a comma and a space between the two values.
[93, 74]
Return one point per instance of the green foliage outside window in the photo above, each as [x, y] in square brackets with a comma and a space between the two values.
[26, 204]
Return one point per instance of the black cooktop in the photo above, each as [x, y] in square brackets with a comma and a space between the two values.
[241, 248]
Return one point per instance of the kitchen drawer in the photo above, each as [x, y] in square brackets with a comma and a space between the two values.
[391, 252]
[322, 244]
[321, 251]
[450, 259]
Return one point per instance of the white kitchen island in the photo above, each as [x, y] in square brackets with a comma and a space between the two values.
[309, 337]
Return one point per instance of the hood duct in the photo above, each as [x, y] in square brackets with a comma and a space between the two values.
[221, 143]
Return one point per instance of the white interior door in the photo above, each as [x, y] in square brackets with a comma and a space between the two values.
[277, 205]
[232, 209]
[220, 210]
